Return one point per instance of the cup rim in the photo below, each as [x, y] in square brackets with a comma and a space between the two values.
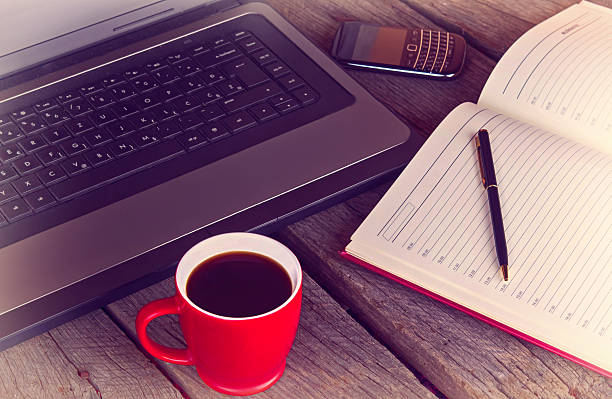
[182, 291]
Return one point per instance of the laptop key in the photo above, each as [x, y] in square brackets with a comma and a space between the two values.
[10, 132]
[240, 34]
[7, 193]
[230, 87]
[263, 56]
[32, 124]
[54, 116]
[27, 184]
[209, 95]
[281, 98]
[154, 64]
[101, 99]
[144, 83]
[277, 69]
[212, 112]
[215, 131]
[98, 156]
[40, 200]
[116, 170]
[290, 81]
[76, 165]
[288, 106]
[245, 70]
[7, 173]
[250, 44]
[143, 120]
[211, 76]
[54, 135]
[165, 75]
[103, 116]
[51, 175]
[122, 147]
[33, 143]
[145, 138]
[133, 72]
[120, 128]
[123, 91]
[78, 106]
[98, 137]
[187, 67]
[148, 99]
[27, 165]
[112, 80]
[192, 139]
[187, 103]
[50, 155]
[251, 97]
[23, 113]
[191, 84]
[80, 125]
[10, 152]
[168, 129]
[45, 104]
[74, 146]
[68, 96]
[190, 120]
[125, 108]
[176, 57]
[91, 88]
[263, 112]
[15, 210]
[4, 119]
[217, 56]
[239, 121]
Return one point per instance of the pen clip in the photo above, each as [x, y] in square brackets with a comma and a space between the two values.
[482, 176]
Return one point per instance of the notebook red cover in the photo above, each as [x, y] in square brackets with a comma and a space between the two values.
[477, 315]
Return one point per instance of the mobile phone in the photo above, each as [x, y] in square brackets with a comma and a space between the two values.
[386, 49]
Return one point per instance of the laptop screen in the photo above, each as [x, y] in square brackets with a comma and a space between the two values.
[34, 31]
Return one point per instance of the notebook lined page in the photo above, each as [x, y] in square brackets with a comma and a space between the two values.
[556, 198]
[559, 76]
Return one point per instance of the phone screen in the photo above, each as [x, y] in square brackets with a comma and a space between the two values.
[377, 44]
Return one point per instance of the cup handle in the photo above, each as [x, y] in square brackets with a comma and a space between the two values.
[151, 311]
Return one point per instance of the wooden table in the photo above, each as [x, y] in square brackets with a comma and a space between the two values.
[360, 335]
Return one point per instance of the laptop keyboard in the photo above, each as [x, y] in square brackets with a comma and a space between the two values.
[190, 98]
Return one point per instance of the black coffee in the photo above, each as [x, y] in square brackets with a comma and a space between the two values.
[239, 284]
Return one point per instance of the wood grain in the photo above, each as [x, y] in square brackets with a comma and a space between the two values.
[332, 356]
[88, 357]
[462, 356]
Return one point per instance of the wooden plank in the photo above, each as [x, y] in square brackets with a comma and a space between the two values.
[88, 357]
[462, 356]
[332, 356]
[421, 103]
[491, 26]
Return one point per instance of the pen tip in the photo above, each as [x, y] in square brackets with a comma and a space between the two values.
[505, 272]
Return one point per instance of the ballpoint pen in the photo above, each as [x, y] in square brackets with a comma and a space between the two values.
[487, 172]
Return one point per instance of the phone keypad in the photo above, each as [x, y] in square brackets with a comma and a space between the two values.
[430, 51]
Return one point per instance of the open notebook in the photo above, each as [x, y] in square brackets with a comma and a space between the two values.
[548, 109]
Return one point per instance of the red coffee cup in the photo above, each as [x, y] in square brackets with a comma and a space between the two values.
[232, 355]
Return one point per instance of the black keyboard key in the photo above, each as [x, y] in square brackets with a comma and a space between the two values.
[211, 76]
[76, 165]
[79, 125]
[263, 112]
[250, 44]
[40, 200]
[27, 164]
[250, 97]
[4, 119]
[10, 132]
[113, 171]
[74, 146]
[212, 112]
[103, 116]
[15, 210]
[218, 42]
[290, 81]
[187, 67]
[146, 137]
[281, 98]
[101, 99]
[50, 155]
[230, 87]
[192, 139]
[263, 56]
[191, 84]
[189, 120]
[98, 137]
[148, 99]
[168, 129]
[245, 70]
[187, 103]
[54, 116]
[7, 173]
[125, 108]
[239, 121]
[288, 106]
[7, 193]
[68, 96]
[10, 152]
[133, 72]
[217, 56]
[169, 92]
[112, 80]
[123, 91]
[215, 131]
[27, 184]
[240, 34]
[32, 143]
[277, 69]
[53, 174]
[78, 107]
[98, 156]
[45, 104]
[145, 82]
[120, 128]
[155, 64]
[122, 147]
[32, 124]
[164, 111]
[53, 135]
[23, 113]
[176, 57]
[91, 88]
[200, 48]
[143, 120]
[209, 95]
[165, 75]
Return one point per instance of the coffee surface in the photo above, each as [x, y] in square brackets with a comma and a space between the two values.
[239, 284]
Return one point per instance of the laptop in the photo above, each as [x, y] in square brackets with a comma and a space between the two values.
[132, 129]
